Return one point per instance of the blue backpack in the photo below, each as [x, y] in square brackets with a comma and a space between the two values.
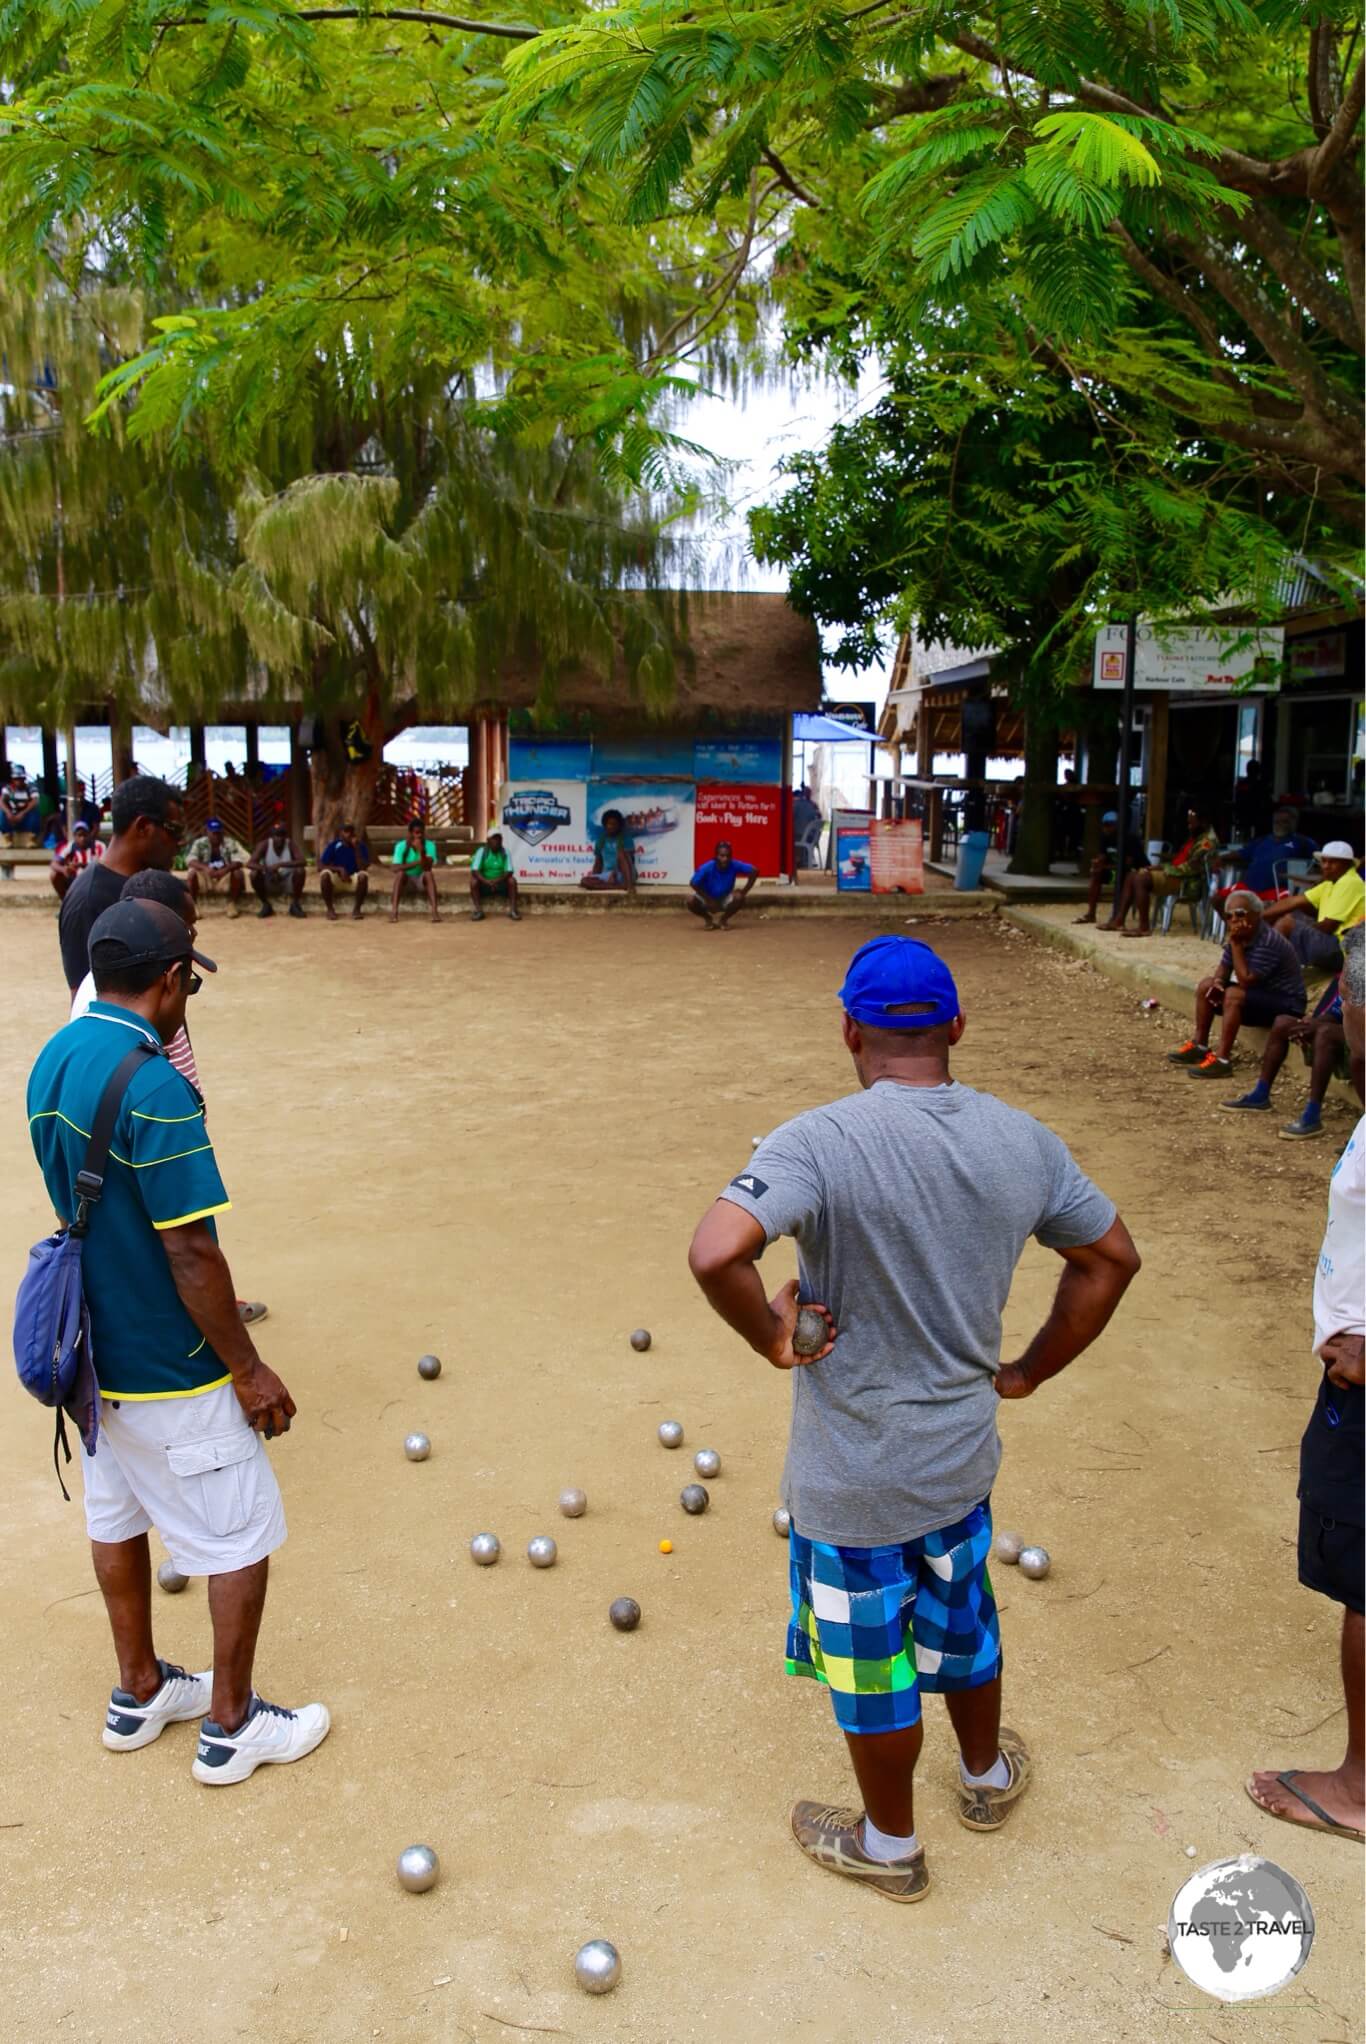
[52, 1347]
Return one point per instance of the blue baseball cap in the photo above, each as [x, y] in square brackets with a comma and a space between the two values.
[891, 974]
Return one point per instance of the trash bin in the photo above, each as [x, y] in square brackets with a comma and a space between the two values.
[972, 857]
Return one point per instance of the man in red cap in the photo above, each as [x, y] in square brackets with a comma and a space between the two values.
[911, 1202]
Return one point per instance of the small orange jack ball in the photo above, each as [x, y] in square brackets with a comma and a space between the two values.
[666, 1547]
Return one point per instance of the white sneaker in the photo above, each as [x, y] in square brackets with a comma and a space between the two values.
[268, 1732]
[129, 1724]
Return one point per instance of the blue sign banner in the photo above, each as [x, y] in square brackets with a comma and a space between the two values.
[753, 761]
[550, 759]
[657, 757]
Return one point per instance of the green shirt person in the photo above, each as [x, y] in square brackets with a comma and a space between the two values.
[414, 863]
[491, 874]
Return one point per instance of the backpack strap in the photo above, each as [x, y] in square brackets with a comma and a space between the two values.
[90, 1178]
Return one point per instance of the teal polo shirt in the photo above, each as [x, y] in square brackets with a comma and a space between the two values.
[162, 1173]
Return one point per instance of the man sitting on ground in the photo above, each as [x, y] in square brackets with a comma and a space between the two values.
[1257, 980]
[1261, 859]
[20, 809]
[345, 863]
[614, 855]
[1104, 864]
[1144, 883]
[74, 856]
[713, 887]
[277, 864]
[1322, 1037]
[216, 861]
[491, 875]
[1312, 920]
[414, 861]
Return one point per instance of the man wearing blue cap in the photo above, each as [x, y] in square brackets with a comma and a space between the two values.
[911, 1203]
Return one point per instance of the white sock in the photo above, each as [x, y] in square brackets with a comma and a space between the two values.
[880, 1845]
[996, 1776]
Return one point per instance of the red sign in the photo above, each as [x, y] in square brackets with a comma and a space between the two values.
[751, 818]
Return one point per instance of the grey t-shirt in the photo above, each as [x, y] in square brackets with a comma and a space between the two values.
[910, 1206]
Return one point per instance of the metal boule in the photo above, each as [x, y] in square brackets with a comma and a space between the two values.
[170, 1579]
[811, 1333]
[597, 1966]
[1035, 1562]
[640, 1339]
[782, 1522]
[417, 1447]
[418, 1867]
[671, 1433]
[1009, 1546]
[694, 1498]
[707, 1462]
[625, 1614]
[542, 1551]
[429, 1367]
[485, 1548]
[573, 1503]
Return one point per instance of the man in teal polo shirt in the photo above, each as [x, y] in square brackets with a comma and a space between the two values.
[184, 1396]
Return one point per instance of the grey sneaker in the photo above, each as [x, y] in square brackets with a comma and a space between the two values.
[832, 1838]
[986, 1809]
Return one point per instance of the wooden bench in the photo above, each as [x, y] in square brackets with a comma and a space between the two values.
[22, 855]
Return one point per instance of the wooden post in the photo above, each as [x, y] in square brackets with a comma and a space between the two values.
[253, 735]
[787, 835]
[924, 737]
[300, 790]
[476, 781]
[70, 777]
[120, 744]
[1156, 811]
[935, 805]
[197, 756]
[51, 772]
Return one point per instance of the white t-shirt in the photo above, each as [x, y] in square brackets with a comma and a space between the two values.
[1340, 1280]
[177, 1050]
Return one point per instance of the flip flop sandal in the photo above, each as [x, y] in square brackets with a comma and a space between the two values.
[251, 1311]
[1325, 1823]
[986, 1809]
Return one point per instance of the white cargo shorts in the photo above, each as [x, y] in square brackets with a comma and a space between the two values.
[193, 1469]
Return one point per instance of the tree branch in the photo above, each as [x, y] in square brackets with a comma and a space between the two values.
[1338, 139]
[506, 29]
[788, 181]
[925, 96]
[1181, 302]
[1307, 285]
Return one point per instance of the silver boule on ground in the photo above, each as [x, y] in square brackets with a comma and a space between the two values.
[485, 1548]
[573, 1503]
[417, 1447]
[541, 1551]
[1008, 1547]
[597, 1966]
[170, 1579]
[782, 1522]
[429, 1367]
[418, 1868]
[707, 1462]
[671, 1433]
[1035, 1562]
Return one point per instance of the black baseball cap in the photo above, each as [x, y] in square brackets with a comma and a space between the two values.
[142, 933]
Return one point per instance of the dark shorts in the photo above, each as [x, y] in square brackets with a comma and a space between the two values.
[1331, 1558]
[1261, 1009]
[487, 889]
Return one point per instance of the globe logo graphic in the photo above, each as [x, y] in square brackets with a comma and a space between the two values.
[1241, 1928]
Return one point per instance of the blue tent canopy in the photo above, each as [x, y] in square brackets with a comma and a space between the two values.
[811, 729]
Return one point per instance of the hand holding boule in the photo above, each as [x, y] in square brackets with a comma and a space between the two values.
[784, 1354]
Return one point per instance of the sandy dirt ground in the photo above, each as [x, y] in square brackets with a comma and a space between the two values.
[494, 1143]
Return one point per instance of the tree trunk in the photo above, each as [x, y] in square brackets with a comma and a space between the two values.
[1034, 837]
[344, 790]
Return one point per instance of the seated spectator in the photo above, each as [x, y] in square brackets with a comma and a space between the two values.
[88, 813]
[345, 863]
[713, 887]
[1257, 980]
[415, 867]
[74, 856]
[20, 807]
[1313, 919]
[1260, 859]
[491, 876]
[1322, 1037]
[277, 865]
[1104, 864]
[1144, 883]
[217, 861]
[614, 855]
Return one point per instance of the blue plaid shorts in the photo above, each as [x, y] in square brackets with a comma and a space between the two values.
[879, 1624]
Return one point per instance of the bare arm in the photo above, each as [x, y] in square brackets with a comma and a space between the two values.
[724, 1259]
[200, 1271]
[1094, 1281]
